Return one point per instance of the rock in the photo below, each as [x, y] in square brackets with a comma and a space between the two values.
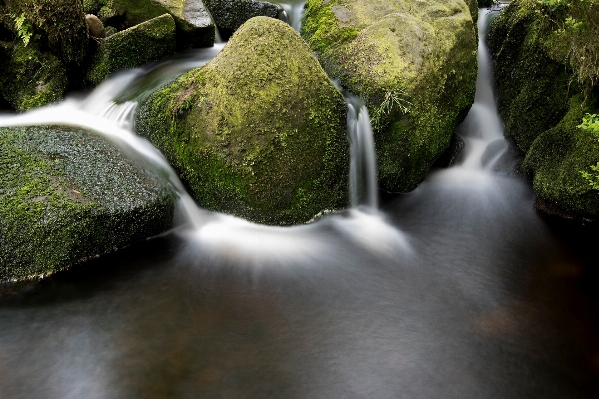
[67, 195]
[148, 41]
[31, 78]
[195, 27]
[110, 30]
[229, 15]
[414, 63]
[258, 132]
[95, 26]
[61, 24]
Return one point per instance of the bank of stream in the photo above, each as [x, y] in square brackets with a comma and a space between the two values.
[456, 290]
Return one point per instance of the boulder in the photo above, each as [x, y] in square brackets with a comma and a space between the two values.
[229, 15]
[60, 24]
[30, 78]
[67, 195]
[413, 62]
[258, 132]
[195, 27]
[148, 41]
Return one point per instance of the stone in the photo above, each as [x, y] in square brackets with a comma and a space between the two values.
[413, 62]
[31, 78]
[67, 195]
[259, 132]
[229, 15]
[195, 27]
[95, 26]
[130, 48]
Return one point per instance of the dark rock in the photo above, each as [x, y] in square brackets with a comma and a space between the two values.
[229, 15]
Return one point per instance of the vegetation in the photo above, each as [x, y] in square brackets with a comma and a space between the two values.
[590, 123]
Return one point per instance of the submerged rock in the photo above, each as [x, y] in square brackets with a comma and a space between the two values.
[195, 27]
[148, 41]
[229, 15]
[414, 63]
[67, 195]
[258, 132]
[30, 78]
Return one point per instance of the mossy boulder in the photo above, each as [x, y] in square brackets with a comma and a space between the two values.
[413, 62]
[533, 89]
[258, 132]
[229, 15]
[148, 41]
[195, 27]
[558, 155]
[30, 78]
[60, 25]
[67, 195]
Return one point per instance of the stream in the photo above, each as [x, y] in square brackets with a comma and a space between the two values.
[458, 289]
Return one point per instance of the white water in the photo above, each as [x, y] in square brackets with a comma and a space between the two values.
[294, 11]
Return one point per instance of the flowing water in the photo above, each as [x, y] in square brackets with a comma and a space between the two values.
[456, 290]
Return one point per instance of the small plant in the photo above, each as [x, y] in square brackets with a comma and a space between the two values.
[23, 28]
[591, 123]
[393, 100]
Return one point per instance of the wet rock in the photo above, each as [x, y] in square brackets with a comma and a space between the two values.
[67, 195]
[95, 26]
[414, 62]
[30, 78]
[229, 15]
[195, 27]
[148, 41]
[258, 132]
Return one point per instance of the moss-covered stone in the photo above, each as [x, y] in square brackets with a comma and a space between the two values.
[229, 15]
[258, 132]
[195, 27]
[148, 41]
[67, 195]
[397, 55]
[556, 158]
[30, 78]
[60, 24]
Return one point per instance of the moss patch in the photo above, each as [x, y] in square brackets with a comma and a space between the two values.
[259, 132]
[67, 195]
[148, 41]
[423, 53]
[31, 78]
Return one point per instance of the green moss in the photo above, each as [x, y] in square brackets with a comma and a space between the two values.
[148, 41]
[557, 157]
[231, 14]
[67, 195]
[61, 24]
[259, 132]
[31, 78]
[194, 29]
[424, 50]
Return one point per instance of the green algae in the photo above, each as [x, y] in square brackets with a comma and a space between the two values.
[148, 41]
[67, 195]
[424, 50]
[259, 132]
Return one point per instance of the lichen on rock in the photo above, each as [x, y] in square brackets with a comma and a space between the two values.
[258, 132]
[415, 65]
[67, 195]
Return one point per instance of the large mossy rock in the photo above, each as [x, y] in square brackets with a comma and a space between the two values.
[229, 15]
[130, 48]
[60, 24]
[542, 107]
[195, 27]
[258, 132]
[414, 62]
[67, 195]
[30, 78]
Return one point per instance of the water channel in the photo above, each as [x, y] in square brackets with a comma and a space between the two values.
[458, 289]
